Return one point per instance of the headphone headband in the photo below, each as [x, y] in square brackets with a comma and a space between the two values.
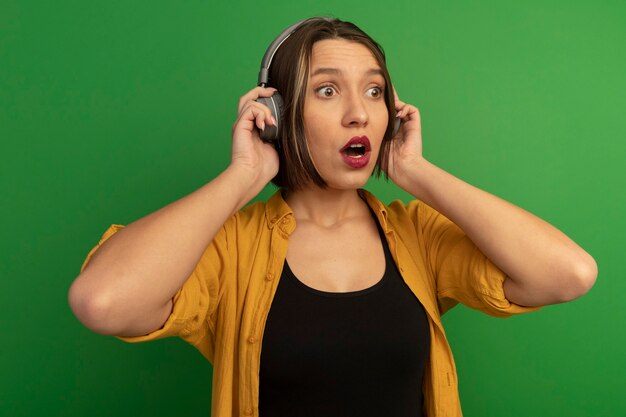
[264, 72]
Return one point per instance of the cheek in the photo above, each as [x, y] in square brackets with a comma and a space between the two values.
[315, 118]
[382, 122]
[317, 128]
[313, 134]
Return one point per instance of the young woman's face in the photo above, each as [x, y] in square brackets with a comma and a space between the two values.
[345, 116]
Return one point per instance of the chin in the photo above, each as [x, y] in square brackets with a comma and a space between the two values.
[353, 181]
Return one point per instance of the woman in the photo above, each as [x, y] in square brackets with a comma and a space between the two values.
[342, 294]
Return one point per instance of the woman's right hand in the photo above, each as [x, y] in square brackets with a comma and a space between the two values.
[255, 157]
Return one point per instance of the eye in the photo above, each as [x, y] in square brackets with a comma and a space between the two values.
[326, 91]
[375, 92]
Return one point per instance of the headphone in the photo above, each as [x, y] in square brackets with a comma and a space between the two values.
[275, 103]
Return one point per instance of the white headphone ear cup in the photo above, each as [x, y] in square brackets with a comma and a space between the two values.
[275, 104]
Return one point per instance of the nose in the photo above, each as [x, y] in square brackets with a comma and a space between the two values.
[355, 112]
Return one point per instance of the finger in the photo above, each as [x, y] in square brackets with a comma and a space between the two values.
[259, 108]
[254, 94]
[409, 111]
[260, 121]
[267, 113]
[401, 108]
[399, 104]
[412, 114]
[255, 113]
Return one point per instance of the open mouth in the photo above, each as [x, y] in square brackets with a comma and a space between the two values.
[355, 151]
[356, 147]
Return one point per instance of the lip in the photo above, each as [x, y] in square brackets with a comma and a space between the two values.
[360, 161]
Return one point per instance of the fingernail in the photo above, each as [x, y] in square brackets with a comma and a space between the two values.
[273, 121]
[262, 125]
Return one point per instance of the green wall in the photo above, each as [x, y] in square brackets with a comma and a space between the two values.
[110, 110]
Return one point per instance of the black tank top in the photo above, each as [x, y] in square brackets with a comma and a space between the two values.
[359, 353]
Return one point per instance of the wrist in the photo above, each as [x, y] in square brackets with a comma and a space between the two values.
[413, 177]
[244, 182]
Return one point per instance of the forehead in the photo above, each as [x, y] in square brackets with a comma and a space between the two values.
[336, 53]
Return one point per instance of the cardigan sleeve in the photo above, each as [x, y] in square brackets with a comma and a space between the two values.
[462, 272]
[195, 302]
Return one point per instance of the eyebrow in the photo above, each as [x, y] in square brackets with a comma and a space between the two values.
[336, 71]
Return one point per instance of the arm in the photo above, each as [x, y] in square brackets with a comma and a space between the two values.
[542, 264]
[126, 289]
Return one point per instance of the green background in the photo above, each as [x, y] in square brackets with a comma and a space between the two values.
[111, 110]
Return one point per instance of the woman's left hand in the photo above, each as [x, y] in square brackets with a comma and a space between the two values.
[507, 235]
[406, 147]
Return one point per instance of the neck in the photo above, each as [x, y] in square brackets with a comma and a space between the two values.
[326, 207]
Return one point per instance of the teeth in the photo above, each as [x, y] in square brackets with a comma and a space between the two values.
[358, 145]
